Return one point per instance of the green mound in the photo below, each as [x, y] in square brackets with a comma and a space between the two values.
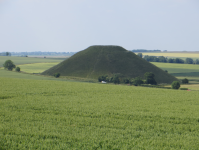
[107, 60]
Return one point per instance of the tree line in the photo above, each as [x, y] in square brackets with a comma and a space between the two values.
[118, 78]
[170, 60]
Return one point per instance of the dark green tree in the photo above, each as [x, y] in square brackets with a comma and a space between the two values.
[116, 79]
[196, 61]
[17, 69]
[9, 65]
[103, 78]
[178, 60]
[175, 85]
[7, 54]
[189, 61]
[57, 75]
[185, 81]
[137, 81]
[149, 76]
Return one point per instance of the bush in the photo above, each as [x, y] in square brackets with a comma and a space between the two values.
[175, 85]
[183, 88]
[185, 81]
[17, 69]
[9, 65]
[56, 75]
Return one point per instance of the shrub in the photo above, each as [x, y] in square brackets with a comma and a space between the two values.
[183, 88]
[185, 81]
[56, 75]
[9, 65]
[175, 85]
[17, 69]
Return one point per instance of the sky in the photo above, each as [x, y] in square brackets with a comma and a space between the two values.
[74, 25]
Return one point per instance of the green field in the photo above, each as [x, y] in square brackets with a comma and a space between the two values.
[179, 69]
[27, 60]
[41, 114]
[36, 67]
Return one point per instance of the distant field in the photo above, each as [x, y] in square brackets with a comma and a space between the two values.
[36, 114]
[36, 67]
[177, 68]
[27, 60]
[185, 55]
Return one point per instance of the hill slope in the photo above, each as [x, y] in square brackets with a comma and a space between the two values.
[108, 60]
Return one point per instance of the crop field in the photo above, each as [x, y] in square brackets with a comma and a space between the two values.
[174, 55]
[43, 114]
[36, 67]
[179, 69]
[27, 60]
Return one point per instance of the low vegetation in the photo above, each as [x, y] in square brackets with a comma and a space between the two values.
[72, 115]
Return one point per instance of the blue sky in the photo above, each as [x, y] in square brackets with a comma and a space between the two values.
[74, 25]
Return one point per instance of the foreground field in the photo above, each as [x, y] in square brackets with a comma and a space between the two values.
[40, 114]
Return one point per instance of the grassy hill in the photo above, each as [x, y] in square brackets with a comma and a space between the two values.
[108, 60]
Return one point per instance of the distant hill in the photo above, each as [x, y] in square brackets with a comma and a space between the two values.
[108, 60]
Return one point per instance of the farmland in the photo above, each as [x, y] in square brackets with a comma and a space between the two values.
[42, 114]
[36, 67]
[193, 55]
[177, 68]
[27, 60]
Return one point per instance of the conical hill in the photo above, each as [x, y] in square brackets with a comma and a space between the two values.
[108, 60]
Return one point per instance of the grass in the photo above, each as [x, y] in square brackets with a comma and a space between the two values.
[41, 114]
[36, 67]
[27, 60]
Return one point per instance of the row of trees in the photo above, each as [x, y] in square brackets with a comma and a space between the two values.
[170, 60]
[117, 79]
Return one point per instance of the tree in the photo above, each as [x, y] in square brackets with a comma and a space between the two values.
[17, 69]
[137, 81]
[56, 75]
[178, 60]
[116, 79]
[9, 65]
[197, 61]
[185, 81]
[8, 54]
[175, 85]
[103, 78]
[149, 76]
[189, 61]
[140, 55]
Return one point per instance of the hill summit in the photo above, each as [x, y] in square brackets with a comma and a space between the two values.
[96, 61]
